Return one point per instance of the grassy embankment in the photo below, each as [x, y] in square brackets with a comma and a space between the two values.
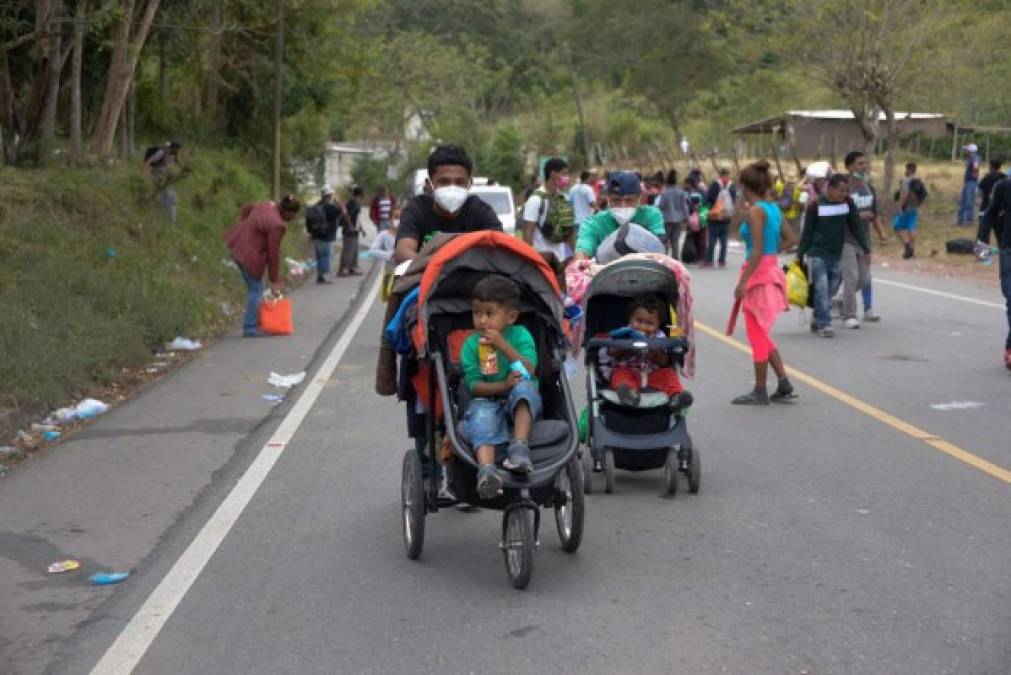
[93, 278]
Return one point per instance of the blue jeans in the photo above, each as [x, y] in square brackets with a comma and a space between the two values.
[717, 232]
[324, 254]
[825, 274]
[868, 294]
[254, 294]
[1005, 288]
[967, 203]
[487, 419]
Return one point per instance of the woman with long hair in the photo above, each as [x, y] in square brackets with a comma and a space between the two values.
[761, 288]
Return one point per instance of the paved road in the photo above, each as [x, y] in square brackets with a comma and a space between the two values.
[824, 540]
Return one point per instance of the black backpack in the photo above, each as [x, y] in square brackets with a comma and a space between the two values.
[917, 187]
[151, 151]
[315, 221]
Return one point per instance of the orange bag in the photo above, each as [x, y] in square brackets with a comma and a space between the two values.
[275, 316]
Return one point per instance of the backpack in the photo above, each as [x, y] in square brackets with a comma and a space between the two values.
[151, 151]
[723, 207]
[917, 187]
[959, 246]
[560, 222]
[315, 221]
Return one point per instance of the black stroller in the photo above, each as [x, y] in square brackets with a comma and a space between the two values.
[444, 320]
[652, 434]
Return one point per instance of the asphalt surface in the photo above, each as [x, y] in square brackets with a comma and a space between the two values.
[823, 541]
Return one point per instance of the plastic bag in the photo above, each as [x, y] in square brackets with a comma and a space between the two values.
[275, 316]
[796, 285]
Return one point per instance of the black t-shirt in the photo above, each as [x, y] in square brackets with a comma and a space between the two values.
[332, 214]
[986, 186]
[354, 208]
[419, 221]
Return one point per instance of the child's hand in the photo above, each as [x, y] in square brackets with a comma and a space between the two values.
[514, 378]
[494, 338]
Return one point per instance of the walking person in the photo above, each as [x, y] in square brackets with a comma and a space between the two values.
[673, 204]
[998, 218]
[583, 198]
[911, 194]
[992, 177]
[761, 289]
[694, 247]
[825, 225]
[970, 185]
[722, 198]
[321, 221]
[854, 265]
[255, 243]
[382, 208]
[548, 218]
[157, 160]
[351, 229]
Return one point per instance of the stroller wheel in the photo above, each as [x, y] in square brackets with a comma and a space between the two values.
[569, 506]
[608, 471]
[518, 543]
[694, 470]
[412, 494]
[587, 471]
[670, 471]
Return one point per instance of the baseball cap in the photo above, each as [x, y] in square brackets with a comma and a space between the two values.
[327, 191]
[623, 183]
[723, 166]
[971, 147]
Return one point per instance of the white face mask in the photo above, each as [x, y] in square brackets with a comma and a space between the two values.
[451, 197]
[623, 214]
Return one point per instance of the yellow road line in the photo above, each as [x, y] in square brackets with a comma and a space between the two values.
[934, 441]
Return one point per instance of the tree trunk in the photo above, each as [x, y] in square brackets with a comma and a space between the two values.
[124, 63]
[80, 13]
[893, 141]
[46, 62]
[867, 119]
[214, 65]
[275, 183]
[9, 126]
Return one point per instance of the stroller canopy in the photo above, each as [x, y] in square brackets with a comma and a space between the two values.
[452, 272]
[612, 287]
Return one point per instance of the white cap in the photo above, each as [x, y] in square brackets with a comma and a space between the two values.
[816, 170]
[971, 147]
[327, 191]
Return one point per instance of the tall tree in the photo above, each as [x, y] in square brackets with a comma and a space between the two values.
[134, 25]
[77, 48]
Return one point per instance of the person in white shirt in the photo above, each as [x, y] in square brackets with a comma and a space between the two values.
[546, 208]
[583, 199]
[383, 247]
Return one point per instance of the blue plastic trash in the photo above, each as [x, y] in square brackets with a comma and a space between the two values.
[106, 578]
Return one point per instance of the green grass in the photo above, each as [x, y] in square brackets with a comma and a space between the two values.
[93, 277]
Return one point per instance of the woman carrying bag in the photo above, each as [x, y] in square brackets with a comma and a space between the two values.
[761, 289]
[255, 243]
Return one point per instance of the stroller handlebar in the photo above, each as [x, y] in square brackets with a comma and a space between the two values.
[676, 344]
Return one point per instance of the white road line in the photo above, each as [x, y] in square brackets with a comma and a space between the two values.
[908, 287]
[133, 642]
[930, 291]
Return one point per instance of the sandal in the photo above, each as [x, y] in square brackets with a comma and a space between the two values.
[752, 398]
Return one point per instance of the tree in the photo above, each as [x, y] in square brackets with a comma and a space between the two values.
[870, 53]
[134, 24]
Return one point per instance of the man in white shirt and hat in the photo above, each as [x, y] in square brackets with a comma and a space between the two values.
[970, 185]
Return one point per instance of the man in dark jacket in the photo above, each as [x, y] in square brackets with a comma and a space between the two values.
[351, 231]
[826, 224]
[998, 218]
[321, 223]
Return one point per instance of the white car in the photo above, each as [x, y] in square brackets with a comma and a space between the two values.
[500, 198]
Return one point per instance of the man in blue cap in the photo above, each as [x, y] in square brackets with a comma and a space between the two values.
[625, 195]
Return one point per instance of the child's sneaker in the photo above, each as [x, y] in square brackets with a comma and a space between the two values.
[518, 460]
[489, 484]
[628, 396]
[851, 322]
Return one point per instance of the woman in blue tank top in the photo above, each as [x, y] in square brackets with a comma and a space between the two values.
[761, 289]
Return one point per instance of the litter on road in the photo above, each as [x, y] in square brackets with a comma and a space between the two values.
[106, 578]
[63, 566]
[957, 405]
[286, 381]
[89, 408]
[51, 435]
[273, 398]
[8, 451]
[181, 344]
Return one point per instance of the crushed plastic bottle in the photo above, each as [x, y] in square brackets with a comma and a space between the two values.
[106, 578]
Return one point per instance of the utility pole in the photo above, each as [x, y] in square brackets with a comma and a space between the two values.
[275, 185]
[579, 107]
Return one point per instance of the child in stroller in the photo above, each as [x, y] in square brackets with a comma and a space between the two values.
[497, 360]
[629, 371]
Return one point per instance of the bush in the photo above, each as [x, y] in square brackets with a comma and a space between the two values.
[93, 278]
